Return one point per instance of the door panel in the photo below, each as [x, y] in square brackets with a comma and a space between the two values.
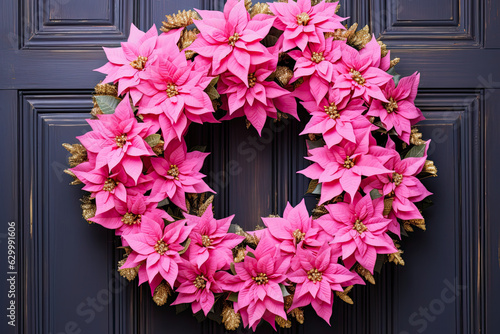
[66, 268]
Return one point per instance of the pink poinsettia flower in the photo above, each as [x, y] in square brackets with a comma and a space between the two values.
[156, 249]
[336, 118]
[231, 40]
[359, 73]
[174, 93]
[317, 62]
[317, 276]
[372, 49]
[127, 216]
[178, 173]
[197, 285]
[128, 63]
[258, 99]
[118, 140]
[257, 282]
[295, 230]
[210, 239]
[359, 228]
[303, 23]
[402, 185]
[341, 167]
[400, 112]
[109, 188]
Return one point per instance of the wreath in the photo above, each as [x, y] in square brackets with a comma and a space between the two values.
[254, 61]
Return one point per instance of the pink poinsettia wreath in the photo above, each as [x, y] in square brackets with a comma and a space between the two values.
[367, 159]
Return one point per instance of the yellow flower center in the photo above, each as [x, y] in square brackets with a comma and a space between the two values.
[161, 247]
[331, 110]
[174, 171]
[206, 241]
[109, 185]
[359, 226]
[356, 76]
[298, 235]
[252, 80]
[131, 219]
[348, 163]
[121, 140]
[172, 90]
[233, 39]
[261, 279]
[391, 106]
[317, 57]
[397, 178]
[303, 19]
[139, 63]
[200, 282]
[314, 275]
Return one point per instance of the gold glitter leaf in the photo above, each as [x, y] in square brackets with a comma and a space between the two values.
[260, 8]
[88, 208]
[230, 318]
[344, 295]
[179, 20]
[161, 294]
[396, 257]
[282, 322]
[78, 154]
[365, 273]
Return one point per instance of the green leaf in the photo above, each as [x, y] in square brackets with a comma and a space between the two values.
[284, 291]
[317, 190]
[233, 297]
[251, 254]
[198, 148]
[374, 193]
[312, 186]
[381, 258]
[153, 139]
[395, 76]
[315, 144]
[181, 307]
[211, 90]
[107, 103]
[233, 270]
[417, 151]
[164, 202]
[186, 246]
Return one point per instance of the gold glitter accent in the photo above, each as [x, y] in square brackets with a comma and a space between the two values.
[240, 254]
[430, 168]
[206, 241]
[260, 8]
[348, 163]
[331, 111]
[298, 314]
[252, 80]
[360, 38]
[314, 275]
[161, 247]
[416, 137]
[383, 49]
[392, 106]
[78, 154]
[88, 207]
[396, 257]
[303, 19]
[359, 226]
[105, 89]
[365, 273]
[420, 223]
[174, 171]
[121, 140]
[356, 76]
[230, 318]
[397, 179]
[248, 5]
[261, 278]
[200, 282]
[179, 20]
[187, 38]
[282, 322]
[139, 63]
[109, 184]
[131, 219]
[75, 179]
[129, 273]
[284, 75]
[343, 295]
[317, 57]
[298, 235]
[394, 62]
[161, 294]
[233, 39]
[172, 90]
[388, 205]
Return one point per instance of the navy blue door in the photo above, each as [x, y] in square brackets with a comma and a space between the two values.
[64, 278]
